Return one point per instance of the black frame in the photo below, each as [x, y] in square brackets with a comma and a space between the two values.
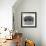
[35, 20]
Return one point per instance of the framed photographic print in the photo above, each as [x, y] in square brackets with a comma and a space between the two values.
[28, 19]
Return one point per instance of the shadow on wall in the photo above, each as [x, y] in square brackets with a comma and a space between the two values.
[17, 4]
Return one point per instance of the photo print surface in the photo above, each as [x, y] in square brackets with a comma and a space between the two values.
[28, 19]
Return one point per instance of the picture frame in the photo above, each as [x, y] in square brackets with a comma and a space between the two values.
[29, 19]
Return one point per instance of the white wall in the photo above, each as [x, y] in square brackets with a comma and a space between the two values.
[28, 6]
[37, 34]
[43, 22]
[6, 13]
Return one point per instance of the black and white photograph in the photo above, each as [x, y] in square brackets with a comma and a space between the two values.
[28, 19]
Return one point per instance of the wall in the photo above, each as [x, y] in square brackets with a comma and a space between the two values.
[28, 6]
[25, 5]
[43, 22]
[6, 13]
